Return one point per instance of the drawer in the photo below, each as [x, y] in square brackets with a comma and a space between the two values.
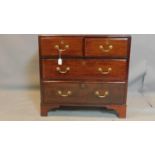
[106, 47]
[92, 93]
[80, 69]
[68, 46]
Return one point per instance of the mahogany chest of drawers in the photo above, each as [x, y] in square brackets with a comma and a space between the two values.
[84, 70]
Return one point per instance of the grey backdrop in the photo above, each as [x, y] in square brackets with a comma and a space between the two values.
[19, 62]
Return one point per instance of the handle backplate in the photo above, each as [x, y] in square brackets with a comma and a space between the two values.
[59, 70]
[62, 44]
[106, 48]
[97, 93]
[68, 93]
[102, 71]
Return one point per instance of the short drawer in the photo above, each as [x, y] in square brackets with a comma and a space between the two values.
[68, 46]
[79, 69]
[106, 47]
[87, 93]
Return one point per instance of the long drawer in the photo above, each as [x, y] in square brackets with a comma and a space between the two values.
[80, 69]
[92, 93]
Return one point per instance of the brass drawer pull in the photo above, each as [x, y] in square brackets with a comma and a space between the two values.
[61, 49]
[68, 93]
[106, 93]
[58, 69]
[105, 49]
[104, 72]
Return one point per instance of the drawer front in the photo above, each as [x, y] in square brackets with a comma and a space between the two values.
[106, 47]
[92, 93]
[68, 46]
[94, 69]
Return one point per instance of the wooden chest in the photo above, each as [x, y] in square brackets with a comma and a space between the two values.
[84, 70]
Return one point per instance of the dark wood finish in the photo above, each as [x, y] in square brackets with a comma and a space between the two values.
[85, 69]
[83, 59]
[47, 46]
[119, 47]
[120, 109]
[45, 108]
[84, 93]
[87, 35]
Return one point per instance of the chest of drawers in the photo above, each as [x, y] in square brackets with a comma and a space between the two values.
[84, 71]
